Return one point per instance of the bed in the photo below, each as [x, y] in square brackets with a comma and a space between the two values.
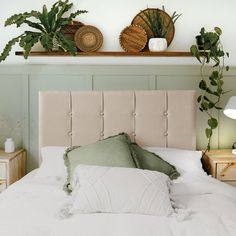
[162, 122]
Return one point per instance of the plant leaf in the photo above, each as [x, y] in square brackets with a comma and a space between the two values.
[218, 30]
[204, 106]
[64, 7]
[66, 44]
[43, 17]
[208, 132]
[203, 85]
[35, 25]
[211, 105]
[215, 74]
[195, 52]
[202, 31]
[199, 98]
[213, 123]
[47, 41]
[28, 41]
[19, 19]
[8, 47]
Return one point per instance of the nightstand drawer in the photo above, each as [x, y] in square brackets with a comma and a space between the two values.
[3, 171]
[226, 171]
[12, 167]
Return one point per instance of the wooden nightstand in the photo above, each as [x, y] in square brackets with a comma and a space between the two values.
[12, 167]
[221, 164]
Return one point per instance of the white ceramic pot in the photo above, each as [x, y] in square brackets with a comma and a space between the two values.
[9, 145]
[157, 44]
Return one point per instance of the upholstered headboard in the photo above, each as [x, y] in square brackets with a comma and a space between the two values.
[151, 118]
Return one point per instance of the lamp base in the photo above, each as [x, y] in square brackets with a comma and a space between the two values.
[234, 151]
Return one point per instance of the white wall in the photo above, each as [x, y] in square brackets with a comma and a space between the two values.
[111, 16]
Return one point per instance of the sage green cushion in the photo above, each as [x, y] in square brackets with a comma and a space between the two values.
[150, 161]
[114, 151]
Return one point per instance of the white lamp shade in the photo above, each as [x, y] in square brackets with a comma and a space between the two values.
[230, 108]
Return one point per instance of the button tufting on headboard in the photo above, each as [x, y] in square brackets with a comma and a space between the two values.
[151, 118]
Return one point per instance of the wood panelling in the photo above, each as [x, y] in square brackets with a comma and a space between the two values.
[19, 86]
[11, 107]
[123, 82]
[49, 82]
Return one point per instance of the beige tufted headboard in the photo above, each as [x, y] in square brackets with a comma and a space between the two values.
[151, 118]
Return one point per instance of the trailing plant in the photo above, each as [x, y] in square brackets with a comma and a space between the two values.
[48, 25]
[210, 52]
[157, 22]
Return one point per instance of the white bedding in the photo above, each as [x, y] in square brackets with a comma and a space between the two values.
[30, 208]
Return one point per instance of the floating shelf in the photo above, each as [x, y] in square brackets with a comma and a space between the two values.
[107, 54]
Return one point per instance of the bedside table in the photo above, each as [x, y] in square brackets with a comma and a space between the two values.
[12, 167]
[221, 164]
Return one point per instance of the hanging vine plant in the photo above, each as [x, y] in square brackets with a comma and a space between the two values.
[209, 51]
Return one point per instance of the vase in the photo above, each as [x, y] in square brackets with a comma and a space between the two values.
[9, 145]
[157, 44]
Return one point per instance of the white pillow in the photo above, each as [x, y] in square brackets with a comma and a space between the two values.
[119, 190]
[52, 163]
[184, 160]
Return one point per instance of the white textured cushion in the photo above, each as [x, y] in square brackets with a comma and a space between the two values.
[52, 163]
[184, 160]
[120, 190]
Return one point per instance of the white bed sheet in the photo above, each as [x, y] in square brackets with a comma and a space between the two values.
[30, 207]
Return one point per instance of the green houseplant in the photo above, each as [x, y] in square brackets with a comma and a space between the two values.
[209, 51]
[157, 23]
[160, 26]
[48, 26]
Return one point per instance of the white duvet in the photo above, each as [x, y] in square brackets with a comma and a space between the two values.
[204, 207]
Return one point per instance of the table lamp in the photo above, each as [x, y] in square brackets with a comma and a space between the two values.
[230, 111]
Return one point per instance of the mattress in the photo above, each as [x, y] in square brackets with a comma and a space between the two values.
[204, 206]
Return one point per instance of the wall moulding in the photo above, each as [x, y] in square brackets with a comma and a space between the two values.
[23, 82]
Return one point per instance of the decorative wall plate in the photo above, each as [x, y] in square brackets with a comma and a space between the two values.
[138, 20]
[88, 38]
[133, 38]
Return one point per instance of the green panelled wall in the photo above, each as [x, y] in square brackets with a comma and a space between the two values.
[19, 86]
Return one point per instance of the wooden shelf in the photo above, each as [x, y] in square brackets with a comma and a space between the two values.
[107, 54]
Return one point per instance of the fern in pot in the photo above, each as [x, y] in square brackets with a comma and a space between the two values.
[160, 27]
[48, 26]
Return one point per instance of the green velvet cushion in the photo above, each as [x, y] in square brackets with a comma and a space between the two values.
[113, 151]
[150, 161]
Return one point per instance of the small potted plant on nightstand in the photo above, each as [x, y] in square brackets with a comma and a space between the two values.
[48, 26]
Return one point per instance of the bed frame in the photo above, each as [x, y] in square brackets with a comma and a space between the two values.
[151, 118]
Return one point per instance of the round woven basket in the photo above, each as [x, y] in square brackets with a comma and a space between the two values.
[70, 29]
[133, 38]
[88, 38]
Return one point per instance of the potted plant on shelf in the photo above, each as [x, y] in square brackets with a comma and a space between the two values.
[160, 24]
[48, 25]
[210, 52]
